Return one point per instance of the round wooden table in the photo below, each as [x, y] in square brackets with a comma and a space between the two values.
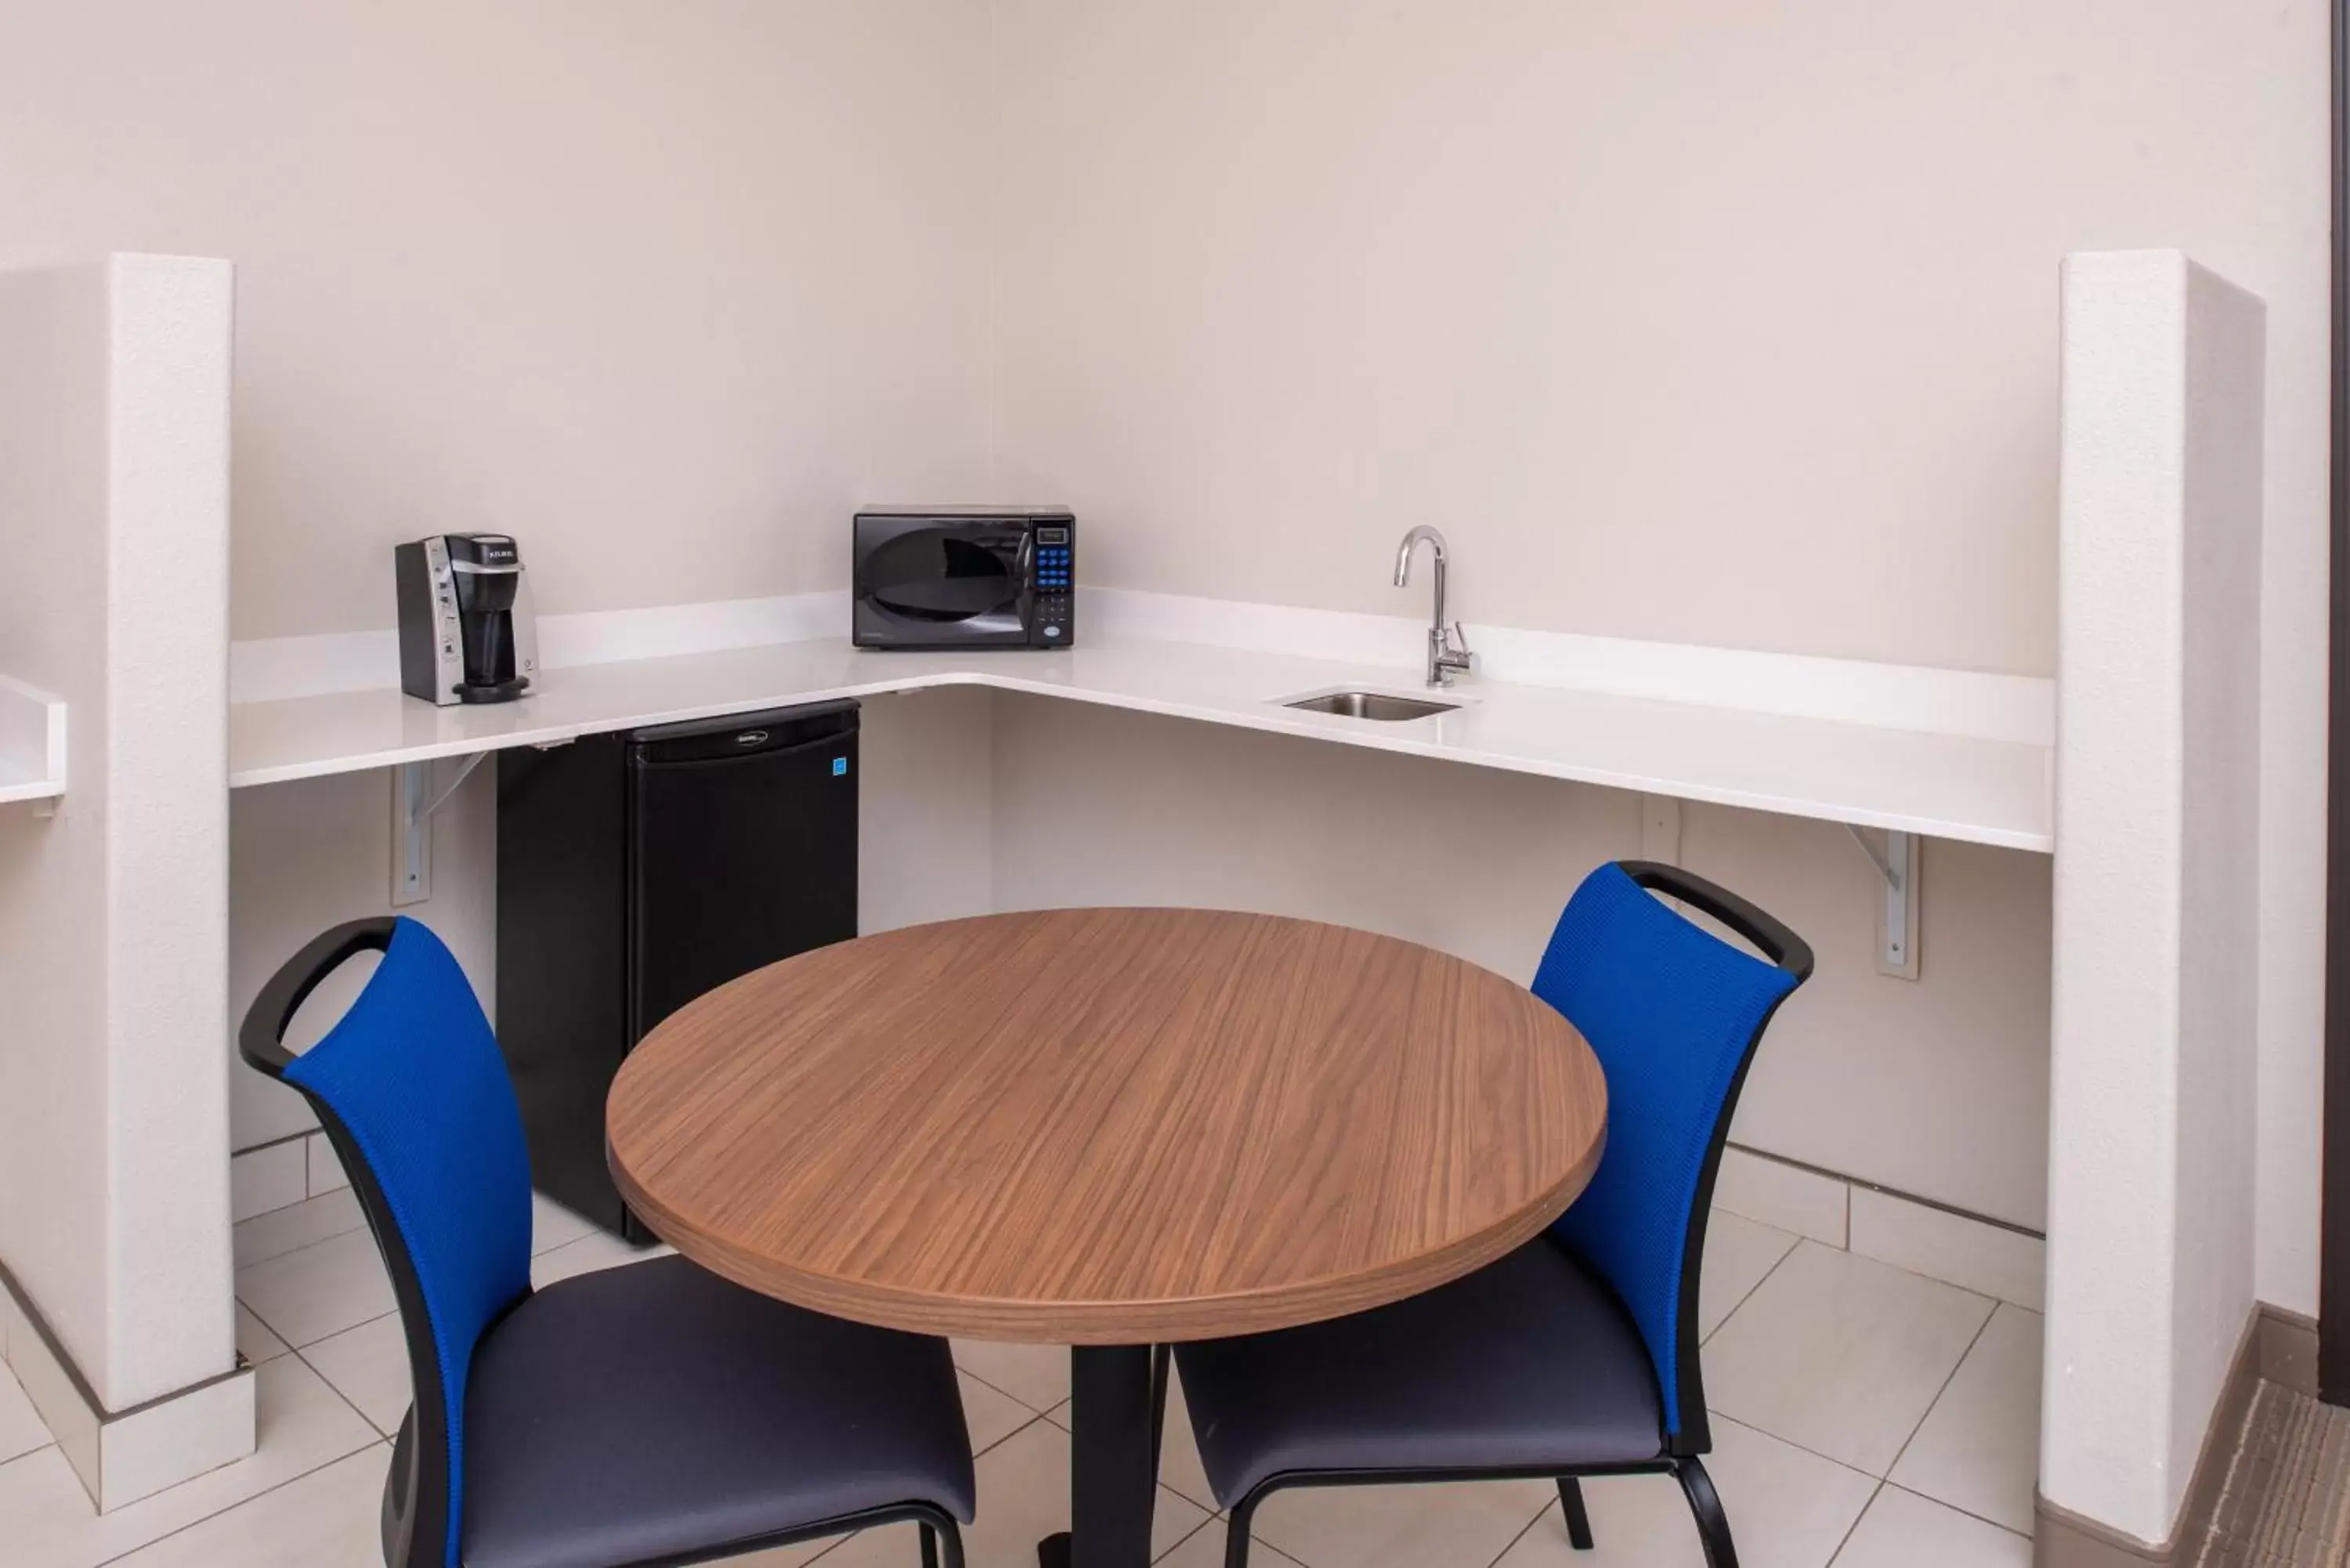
[1110, 1129]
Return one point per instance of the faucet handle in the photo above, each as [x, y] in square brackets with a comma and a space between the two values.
[1454, 653]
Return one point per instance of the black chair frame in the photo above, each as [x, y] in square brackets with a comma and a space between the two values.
[1713, 1525]
[415, 1527]
[1677, 1455]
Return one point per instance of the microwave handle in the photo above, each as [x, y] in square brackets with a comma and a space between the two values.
[1023, 565]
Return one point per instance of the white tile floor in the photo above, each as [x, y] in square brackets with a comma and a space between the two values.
[1866, 1419]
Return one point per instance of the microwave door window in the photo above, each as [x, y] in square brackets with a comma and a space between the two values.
[934, 577]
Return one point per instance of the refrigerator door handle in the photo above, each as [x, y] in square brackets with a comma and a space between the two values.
[644, 756]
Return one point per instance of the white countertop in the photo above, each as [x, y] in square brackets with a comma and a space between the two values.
[1983, 792]
[16, 783]
[32, 743]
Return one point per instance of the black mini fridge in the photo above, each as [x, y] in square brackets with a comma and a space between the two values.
[638, 870]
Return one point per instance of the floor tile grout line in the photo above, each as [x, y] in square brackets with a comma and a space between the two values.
[359, 1224]
[1776, 1264]
[1008, 1394]
[1857, 1470]
[1981, 1329]
[1850, 1530]
[1954, 1508]
[38, 1419]
[1182, 1540]
[1790, 1442]
[30, 1453]
[240, 1502]
[287, 1340]
[1007, 1437]
[1540, 1514]
[835, 1544]
[365, 1419]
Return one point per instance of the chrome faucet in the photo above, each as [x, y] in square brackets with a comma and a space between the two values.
[1448, 648]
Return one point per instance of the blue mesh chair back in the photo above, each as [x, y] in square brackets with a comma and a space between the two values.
[411, 1089]
[1673, 1014]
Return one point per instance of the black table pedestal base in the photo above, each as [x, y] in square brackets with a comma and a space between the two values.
[1118, 1404]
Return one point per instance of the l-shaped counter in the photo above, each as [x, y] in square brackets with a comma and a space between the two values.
[1959, 787]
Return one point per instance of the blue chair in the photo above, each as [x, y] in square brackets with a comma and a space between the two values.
[1578, 1354]
[639, 1417]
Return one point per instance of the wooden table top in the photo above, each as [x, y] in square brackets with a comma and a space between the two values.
[1100, 1126]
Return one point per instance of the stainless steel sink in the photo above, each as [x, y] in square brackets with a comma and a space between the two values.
[1372, 705]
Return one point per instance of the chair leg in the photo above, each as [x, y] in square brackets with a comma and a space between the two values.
[1579, 1522]
[945, 1537]
[1236, 1533]
[1712, 1525]
[1162, 1367]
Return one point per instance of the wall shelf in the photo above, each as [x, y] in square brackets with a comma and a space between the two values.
[32, 743]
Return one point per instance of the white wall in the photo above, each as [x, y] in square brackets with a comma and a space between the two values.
[1709, 323]
[925, 811]
[311, 854]
[663, 289]
[1938, 1087]
[114, 386]
[53, 1101]
[2152, 1196]
[1715, 322]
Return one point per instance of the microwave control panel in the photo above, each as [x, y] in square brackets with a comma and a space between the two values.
[1051, 619]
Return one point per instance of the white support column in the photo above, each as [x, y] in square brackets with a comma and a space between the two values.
[2151, 1128]
[114, 1137]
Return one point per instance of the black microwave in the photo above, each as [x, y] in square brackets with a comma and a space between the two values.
[957, 577]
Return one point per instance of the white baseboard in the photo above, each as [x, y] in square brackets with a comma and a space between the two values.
[122, 1456]
[326, 1170]
[1958, 1249]
[2014, 707]
[1788, 1197]
[281, 1174]
[271, 1177]
[1963, 1249]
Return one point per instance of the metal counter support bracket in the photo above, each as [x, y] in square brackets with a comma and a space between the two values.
[1896, 923]
[413, 803]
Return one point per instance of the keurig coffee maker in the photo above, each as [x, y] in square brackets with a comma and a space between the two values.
[465, 631]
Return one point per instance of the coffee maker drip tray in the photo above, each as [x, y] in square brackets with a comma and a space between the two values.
[499, 691]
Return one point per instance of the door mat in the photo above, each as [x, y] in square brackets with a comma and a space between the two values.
[2286, 1500]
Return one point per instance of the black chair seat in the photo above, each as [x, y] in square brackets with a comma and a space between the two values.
[1528, 1362]
[651, 1410]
